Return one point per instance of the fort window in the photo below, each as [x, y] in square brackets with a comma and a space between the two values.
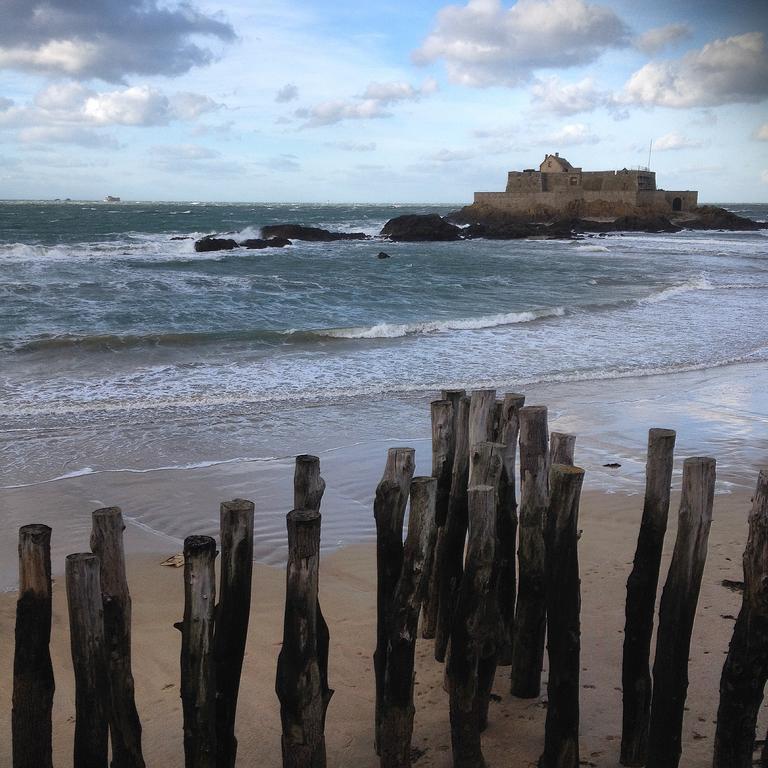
[677, 204]
[574, 180]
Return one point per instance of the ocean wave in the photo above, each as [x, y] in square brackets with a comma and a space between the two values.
[398, 330]
[701, 283]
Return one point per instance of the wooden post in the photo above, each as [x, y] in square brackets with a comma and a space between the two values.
[33, 684]
[308, 486]
[482, 411]
[677, 611]
[124, 725]
[455, 532]
[397, 709]
[561, 734]
[506, 523]
[443, 448]
[89, 659]
[232, 614]
[530, 613]
[641, 598]
[308, 489]
[746, 667]
[473, 630]
[299, 682]
[389, 511]
[486, 463]
[198, 671]
[561, 448]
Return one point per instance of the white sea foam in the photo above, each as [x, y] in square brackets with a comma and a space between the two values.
[398, 330]
[700, 283]
[592, 248]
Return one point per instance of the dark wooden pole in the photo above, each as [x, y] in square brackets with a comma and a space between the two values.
[232, 614]
[746, 667]
[89, 659]
[299, 682]
[473, 630]
[124, 725]
[561, 734]
[308, 486]
[641, 598]
[482, 416]
[455, 532]
[561, 448]
[506, 523]
[389, 511]
[677, 611]
[33, 684]
[198, 670]
[308, 489]
[443, 448]
[530, 613]
[397, 708]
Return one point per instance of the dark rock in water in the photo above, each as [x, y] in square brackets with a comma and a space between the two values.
[650, 223]
[382, 255]
[420, 228]
[311, 234]
[181, 237]
[211, 243]
[612, 465]
[272, 242]
[712, 217]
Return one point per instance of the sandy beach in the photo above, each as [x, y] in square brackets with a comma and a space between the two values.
[162, 505]
[347, 593]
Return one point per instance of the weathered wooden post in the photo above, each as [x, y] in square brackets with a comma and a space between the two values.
[89, 660]
[561, 735]
[301, 684]
[198, 670]
[530, 613]
[443, 447]
[482, 416]
[389, 512]
[506, 523]
[745, 671]
[231, 626]
[33, 684]
[397, 708]
[473, 630]
[455, 532]
[124, 725]
[677, 611]
[561, 448]
[641, 598]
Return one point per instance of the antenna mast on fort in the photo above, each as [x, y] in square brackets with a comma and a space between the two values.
[650, 147]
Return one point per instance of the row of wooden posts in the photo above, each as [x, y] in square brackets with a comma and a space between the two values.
[456, 575]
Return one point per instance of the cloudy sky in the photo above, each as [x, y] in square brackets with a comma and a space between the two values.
[382, 101]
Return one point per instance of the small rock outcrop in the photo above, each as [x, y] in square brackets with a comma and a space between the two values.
[310, 234]
[272, 242]
[712, 217]
[420, 228]
[212, 243]
[382, 255]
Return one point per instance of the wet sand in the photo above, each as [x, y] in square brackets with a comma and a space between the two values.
[347, 593]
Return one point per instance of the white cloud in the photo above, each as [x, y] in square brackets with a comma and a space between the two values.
[5, 103]
[371, 104]
[189, 106]
[655, 40]
[764, 177]
[63, 134]
[185, 152]
[572, 134]
[761, 134]
[485, 43]
[725, 71]
[107, 39]
[138, 105]
[551, 94]
[353, 146]
[452, 155]
[289, 92]
[63, 97]
[673, 141]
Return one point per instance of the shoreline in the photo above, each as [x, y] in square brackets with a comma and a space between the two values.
[610, 523]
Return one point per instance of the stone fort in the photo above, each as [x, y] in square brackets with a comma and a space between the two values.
[558, 186]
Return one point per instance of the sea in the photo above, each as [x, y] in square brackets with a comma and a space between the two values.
[123, 348]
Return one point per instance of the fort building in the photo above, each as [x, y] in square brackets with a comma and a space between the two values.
[558, 186]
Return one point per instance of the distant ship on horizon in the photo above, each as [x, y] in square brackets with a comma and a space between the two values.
[111, 199]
